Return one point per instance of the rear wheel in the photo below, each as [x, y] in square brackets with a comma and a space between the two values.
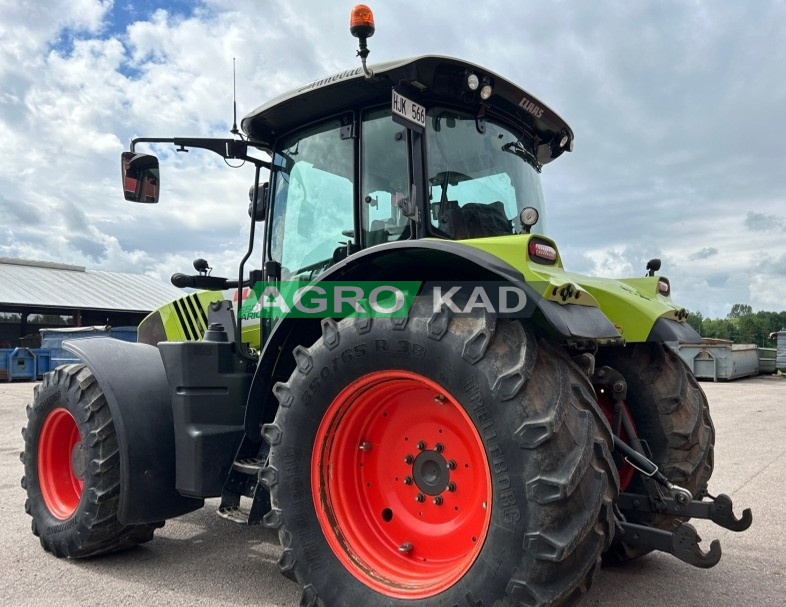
[72, 468]
[671, 414]
[439, 461]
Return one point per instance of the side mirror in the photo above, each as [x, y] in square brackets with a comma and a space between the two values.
[140, 177]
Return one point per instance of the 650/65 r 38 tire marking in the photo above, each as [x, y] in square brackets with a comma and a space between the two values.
[407, 508]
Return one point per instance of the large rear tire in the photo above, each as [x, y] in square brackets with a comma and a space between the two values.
[72, 468]
[671, 413]
[439, 461]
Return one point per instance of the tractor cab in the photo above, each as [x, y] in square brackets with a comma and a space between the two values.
[430, 147]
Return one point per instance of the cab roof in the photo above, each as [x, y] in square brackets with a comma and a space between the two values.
[430, 79]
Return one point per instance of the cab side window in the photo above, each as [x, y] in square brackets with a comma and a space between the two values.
[384, 178]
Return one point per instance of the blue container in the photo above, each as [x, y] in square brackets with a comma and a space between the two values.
[43, 361]
[719, 360]
[4, 352]
[52, 339]
[123, 333]
[21, 364]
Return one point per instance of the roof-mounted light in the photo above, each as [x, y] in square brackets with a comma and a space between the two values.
[361, 22]
[486, 92]
[473, 82]
[361, 26]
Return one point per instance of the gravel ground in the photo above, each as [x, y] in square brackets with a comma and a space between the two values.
[200, 559]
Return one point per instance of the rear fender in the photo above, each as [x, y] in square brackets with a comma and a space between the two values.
[424, 260]
[134, 383]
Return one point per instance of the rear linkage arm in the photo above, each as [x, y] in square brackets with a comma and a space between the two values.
[683, 542]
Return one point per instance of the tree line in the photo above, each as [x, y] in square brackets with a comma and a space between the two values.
[742, 325]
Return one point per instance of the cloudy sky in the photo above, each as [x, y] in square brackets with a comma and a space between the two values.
[679, 111]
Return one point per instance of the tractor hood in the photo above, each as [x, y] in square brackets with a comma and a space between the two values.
[634, 305]
[436, 79]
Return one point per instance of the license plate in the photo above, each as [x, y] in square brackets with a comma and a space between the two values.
[413, 114]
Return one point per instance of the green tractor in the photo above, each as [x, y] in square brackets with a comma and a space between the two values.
[460, 454]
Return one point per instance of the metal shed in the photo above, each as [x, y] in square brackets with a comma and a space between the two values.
[88, 297]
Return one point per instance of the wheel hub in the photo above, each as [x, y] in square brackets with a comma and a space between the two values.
[430, 472]
[78, 461]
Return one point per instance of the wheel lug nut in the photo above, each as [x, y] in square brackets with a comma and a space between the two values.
[365, 446]
[405, 547]
[408, 459]
[407, 480]
[421, 446]
[438, 501]
[452, 464]
[420, 497]
[439, 447]
[451, 487]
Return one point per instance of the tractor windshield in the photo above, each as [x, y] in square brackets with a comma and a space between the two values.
[312, 215]
[478, 182]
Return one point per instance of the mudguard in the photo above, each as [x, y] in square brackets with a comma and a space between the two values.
[133, 380]
[424, 260]
[667, 329]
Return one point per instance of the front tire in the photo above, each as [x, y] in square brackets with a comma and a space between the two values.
[439, 461]
[671, 414]
[72, 468]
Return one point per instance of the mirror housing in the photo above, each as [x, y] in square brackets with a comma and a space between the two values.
[262, 196]
[653, 265]
[140, 173]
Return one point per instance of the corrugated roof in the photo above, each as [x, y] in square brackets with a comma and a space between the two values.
[49, 285]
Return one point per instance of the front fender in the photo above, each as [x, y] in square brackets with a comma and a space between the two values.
[134, 383]
[423, 260]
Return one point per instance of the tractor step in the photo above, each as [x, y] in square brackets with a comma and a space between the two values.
[234, 514]
[231, 510]
[243, 481]
[251, 465]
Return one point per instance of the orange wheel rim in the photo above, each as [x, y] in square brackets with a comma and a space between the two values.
[59, 444]
[401, 484]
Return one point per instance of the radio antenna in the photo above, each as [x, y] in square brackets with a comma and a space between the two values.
[234, 129]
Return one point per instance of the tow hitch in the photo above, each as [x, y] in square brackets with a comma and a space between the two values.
[683, 541]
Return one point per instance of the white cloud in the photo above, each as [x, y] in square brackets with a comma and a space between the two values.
[673, 105]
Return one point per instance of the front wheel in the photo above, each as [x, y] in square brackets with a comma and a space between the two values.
[671, 414]
[72, 468]
[439, 461]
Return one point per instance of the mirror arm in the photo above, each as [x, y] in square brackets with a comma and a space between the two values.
[226, 148]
